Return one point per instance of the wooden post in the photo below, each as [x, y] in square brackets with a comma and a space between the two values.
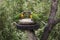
[31, 35]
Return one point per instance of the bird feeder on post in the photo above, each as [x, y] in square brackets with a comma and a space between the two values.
[26, 23]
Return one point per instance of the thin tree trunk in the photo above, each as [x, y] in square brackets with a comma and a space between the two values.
[51, 20]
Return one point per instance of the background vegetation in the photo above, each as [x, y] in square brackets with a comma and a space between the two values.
[41, 9]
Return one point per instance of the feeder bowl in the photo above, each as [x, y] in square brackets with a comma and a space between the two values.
[27, 24]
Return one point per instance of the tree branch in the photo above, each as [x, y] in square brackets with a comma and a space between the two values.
[57, 21]
[51, 20]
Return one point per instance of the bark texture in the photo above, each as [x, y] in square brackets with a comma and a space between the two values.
[51, 22]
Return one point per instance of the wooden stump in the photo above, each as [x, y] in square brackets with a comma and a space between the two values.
[31, 34]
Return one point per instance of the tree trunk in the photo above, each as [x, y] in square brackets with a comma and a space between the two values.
[51, 20]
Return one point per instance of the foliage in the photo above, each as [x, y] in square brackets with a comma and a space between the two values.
[10, 10]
